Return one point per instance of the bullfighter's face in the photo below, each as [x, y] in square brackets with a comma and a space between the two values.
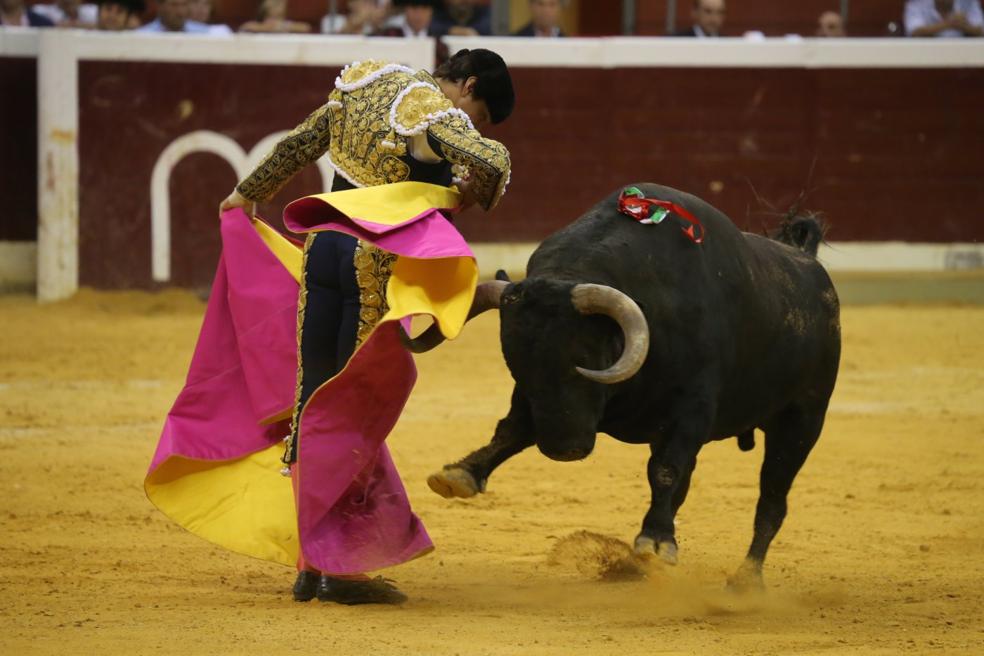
[543, 339]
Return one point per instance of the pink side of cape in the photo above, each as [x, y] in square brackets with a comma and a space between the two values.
[428, 235]
[245, 362]
[354, 515]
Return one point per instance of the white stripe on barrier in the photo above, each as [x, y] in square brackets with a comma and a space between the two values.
[18, 259]
[18, 265]
[837, 256]
[19, 42]
[58, 167]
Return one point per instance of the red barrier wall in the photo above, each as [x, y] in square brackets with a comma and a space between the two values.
[895, 154]
[19, 149]
[122, 133]
[882, 161]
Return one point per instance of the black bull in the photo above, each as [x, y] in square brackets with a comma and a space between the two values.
[708, 341]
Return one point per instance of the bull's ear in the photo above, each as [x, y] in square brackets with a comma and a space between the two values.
[502, 275]
[509, 295]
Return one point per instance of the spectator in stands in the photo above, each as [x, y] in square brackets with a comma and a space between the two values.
[13, 13]
[272, 17]
[119, 15]
[831, 24]
[545, 19]
[415, 18]
[944, 18]
[462, 18]
[70, 13]
[363, 17]
[708, 17]
[173, 16]
[201, 12]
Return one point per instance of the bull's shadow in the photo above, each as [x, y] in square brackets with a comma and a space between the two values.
[659, 333]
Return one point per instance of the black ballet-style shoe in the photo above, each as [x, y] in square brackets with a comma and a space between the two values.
[351, 593]
[306, 586]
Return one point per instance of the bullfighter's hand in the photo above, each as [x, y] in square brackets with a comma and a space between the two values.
[234, 200]
[468, 198]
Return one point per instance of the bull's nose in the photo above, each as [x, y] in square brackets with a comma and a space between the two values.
[566, 455]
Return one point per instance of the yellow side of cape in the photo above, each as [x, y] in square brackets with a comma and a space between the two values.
[244, 505]
[391, 204]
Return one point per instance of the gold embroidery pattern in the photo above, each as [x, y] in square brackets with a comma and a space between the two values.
[420, 102]
[302, 146]
[289, 451]
[363, 144]
[486, 159]
[373, 267]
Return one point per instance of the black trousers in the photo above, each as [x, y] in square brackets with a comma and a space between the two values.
[329, 317]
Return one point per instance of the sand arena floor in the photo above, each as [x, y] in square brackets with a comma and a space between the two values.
[883, 551]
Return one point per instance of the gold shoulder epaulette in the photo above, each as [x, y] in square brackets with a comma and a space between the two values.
[417, 107]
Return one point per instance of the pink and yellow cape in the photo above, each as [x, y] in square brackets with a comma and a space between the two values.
[216, 470]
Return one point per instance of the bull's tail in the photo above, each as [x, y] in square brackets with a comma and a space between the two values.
[803, 231]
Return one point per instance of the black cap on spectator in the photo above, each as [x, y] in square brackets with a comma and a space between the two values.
[494, 84]
[136, 7]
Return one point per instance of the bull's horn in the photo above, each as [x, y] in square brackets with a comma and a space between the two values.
[601, 299]
[487, 297]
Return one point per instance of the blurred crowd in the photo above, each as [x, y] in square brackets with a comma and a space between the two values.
[920, 18]
[435, 18]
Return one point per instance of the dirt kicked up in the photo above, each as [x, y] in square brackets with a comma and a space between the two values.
[882, 552]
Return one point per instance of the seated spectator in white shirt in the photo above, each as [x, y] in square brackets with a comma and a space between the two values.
[173, 16]
[201, 12]
[944, 18]
[546, 19]
[13, 13]
[272, 17]
[363, 17]
[831, 24]
[119, 15]
[70, 13]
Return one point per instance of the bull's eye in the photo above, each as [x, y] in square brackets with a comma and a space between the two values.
[509, 297]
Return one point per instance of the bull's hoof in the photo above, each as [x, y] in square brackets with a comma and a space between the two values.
[454, 482]
[666, 550]
[748, 578]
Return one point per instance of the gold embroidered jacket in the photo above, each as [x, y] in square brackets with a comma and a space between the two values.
[371, 120]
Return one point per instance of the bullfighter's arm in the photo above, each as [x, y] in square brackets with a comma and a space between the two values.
[302, 146]
[486, 160]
